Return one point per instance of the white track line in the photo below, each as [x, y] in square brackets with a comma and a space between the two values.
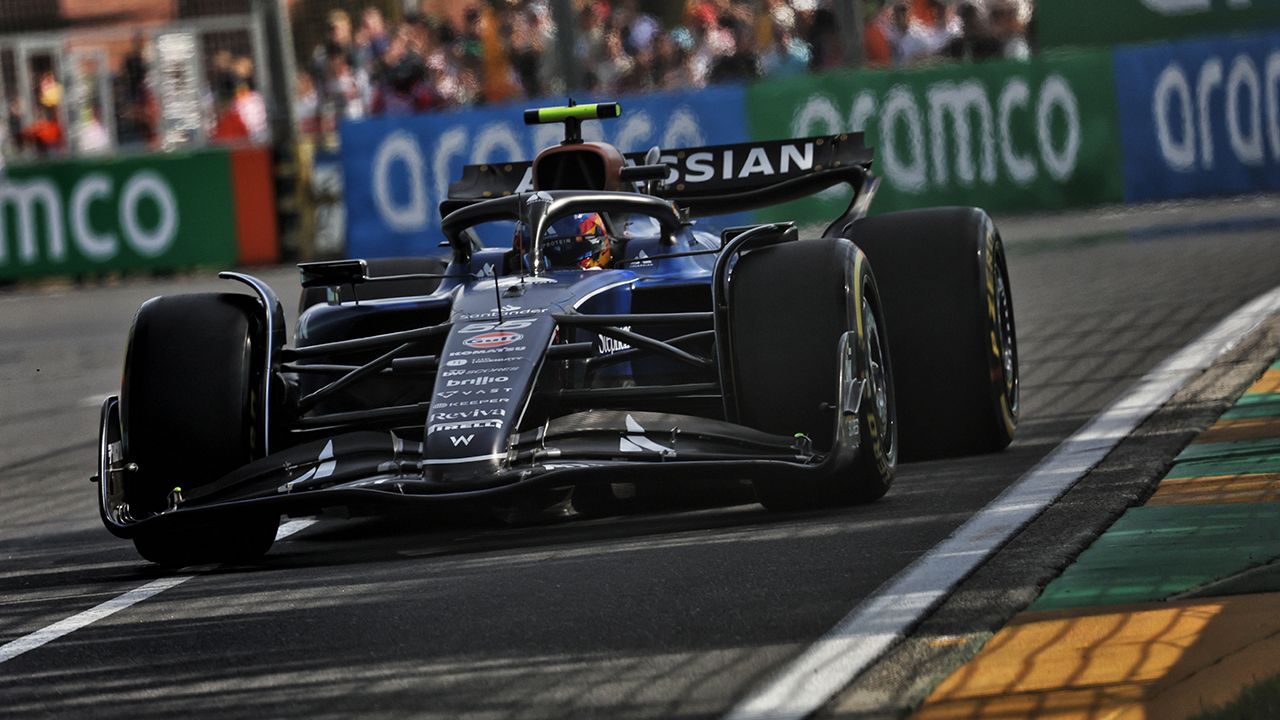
[883, 619]
[46, 635]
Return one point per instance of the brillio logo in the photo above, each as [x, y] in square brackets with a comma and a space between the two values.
[477, 381]
[28, 200]
[497, 339]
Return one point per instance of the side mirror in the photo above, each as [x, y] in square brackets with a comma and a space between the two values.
[331, 273]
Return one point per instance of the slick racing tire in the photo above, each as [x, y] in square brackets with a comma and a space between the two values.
[378, 291]
[237, 539]
[949, 305]
[189, 409]
[789, 306]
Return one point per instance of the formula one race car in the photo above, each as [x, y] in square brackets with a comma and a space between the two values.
[607, 345]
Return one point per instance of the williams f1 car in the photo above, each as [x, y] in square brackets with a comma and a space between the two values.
[606, 344]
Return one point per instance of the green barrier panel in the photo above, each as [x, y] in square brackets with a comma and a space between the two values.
[103, 215]
[1007, 135]
[1113, 22]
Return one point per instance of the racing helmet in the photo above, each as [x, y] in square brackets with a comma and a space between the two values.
[575, 242]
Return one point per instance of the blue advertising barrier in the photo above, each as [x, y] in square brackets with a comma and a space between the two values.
[396, 170]
[1200, 117]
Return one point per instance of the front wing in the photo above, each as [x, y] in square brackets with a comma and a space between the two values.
[367, 468]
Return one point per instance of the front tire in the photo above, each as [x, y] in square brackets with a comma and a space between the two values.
[189, 410]
[238, 539]
[790, 306]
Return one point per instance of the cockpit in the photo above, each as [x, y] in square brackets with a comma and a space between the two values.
[566, 230]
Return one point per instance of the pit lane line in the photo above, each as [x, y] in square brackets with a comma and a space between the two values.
[880, 621]
[48, 634]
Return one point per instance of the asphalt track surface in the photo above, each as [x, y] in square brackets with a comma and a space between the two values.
[674, 613]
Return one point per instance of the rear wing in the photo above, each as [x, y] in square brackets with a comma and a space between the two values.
[714, 179]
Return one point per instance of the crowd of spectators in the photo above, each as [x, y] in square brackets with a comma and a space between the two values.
[902, 33]
[44, 134]
[503, 50]
[506, 49]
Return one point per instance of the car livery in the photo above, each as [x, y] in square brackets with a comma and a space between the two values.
[807, 367]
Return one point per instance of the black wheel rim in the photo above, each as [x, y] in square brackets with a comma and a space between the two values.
[1007, 340]
[878, 378]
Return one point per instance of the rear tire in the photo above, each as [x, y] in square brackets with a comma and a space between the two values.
[949, 304]
[790, 305]
[189, 410]
[382, 267]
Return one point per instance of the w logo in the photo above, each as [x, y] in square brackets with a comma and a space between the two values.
[463, 440]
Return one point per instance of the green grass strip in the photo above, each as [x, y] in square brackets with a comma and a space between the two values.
[1250, 399]
[1255, 408]
[1151, 553]
[1250, 465]
[1230, 450]
[1261, 579]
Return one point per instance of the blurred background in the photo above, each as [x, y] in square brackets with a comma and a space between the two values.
[85, 78]
[332, 127]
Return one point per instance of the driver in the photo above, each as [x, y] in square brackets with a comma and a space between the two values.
[578, 242]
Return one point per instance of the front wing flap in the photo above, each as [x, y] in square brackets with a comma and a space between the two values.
[365, 467]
